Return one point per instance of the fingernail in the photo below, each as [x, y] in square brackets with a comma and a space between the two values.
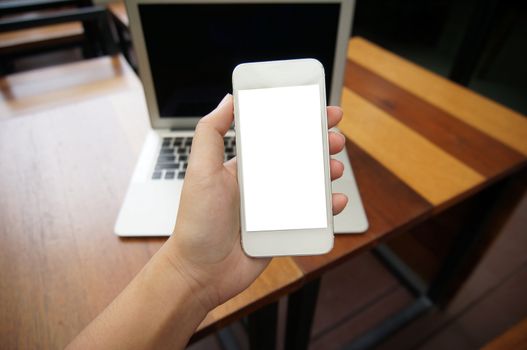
[224, 100]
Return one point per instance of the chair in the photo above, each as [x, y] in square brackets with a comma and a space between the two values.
[29, 27]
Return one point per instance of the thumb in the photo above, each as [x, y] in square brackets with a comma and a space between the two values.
[207, 147]
[221, 117]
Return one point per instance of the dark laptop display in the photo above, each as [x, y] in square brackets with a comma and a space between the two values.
[193, 48]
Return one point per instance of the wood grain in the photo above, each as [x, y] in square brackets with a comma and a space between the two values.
[59, 261]
[64, 174]
[500, 122]
[41, 89]
[390, 204]
[474, 148]
[430, 171]
[44, 33]
[69, 138]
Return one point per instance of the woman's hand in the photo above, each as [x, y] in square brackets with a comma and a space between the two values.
[205, 246]
[202, 265]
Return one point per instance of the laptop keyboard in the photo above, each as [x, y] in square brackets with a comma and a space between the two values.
[173, 156]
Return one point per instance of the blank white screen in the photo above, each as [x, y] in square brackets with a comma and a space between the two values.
[282, 158]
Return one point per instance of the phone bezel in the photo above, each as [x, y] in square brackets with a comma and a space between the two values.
[271, 74]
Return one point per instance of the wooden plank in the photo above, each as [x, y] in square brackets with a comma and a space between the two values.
[343, 333]
[64, 175]
[41, 89]
[390, 204]
[44, 33]
[430, 171]
[500, 122]
[367, 281]
[479, 151]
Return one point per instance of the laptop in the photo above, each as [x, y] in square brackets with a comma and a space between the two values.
[186, 51]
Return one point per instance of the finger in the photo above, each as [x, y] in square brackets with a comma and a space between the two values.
[221, 117]
[336, 169]
[207, 146]
[230, 165]
[339, 202]
[335, 114]
[336, 142]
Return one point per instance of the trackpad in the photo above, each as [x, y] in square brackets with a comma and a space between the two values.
[149, 209]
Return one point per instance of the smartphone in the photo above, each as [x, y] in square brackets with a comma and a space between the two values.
[283, 158]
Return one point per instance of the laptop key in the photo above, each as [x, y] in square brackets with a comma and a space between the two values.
[229, 150]
[181, 150]
[182, 158]
[170, 175]
[167, 150]
[166, 159]
[181, 175]
[156, 175]
[167, 166]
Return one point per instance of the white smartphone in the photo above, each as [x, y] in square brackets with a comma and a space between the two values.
[283, 158]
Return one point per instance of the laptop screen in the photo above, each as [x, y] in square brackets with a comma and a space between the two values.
[193, 48]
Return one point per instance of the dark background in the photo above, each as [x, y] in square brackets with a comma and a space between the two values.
[436, 33]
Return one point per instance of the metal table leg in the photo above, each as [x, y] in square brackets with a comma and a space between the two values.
[262, 327]
[300, 312]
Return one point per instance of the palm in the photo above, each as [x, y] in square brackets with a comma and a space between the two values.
[211, 198]
[207, 234]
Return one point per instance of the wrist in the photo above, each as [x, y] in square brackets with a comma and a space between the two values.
[183, 276]
[158, 309]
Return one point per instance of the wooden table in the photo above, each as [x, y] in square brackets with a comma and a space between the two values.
[419, 145]
[70, 135]
[69, 139]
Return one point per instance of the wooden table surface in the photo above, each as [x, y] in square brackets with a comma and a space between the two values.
[33, 35]
[418, 144]
[67, 151]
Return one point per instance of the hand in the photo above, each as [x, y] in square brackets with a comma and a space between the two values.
[205, 246]
[202, 264]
